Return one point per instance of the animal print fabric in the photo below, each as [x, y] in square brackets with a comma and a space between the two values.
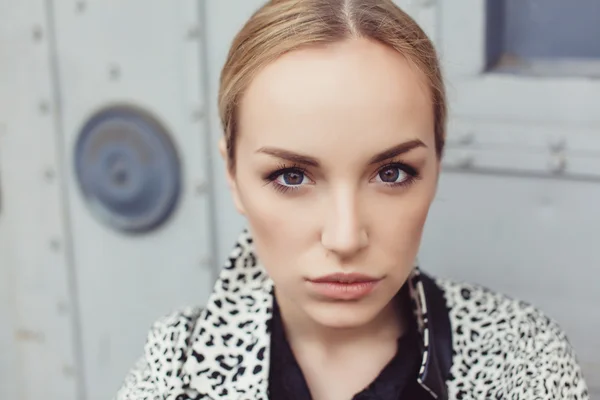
[502, 348]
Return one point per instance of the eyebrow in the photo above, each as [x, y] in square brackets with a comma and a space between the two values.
[397, 150]
[392, 152]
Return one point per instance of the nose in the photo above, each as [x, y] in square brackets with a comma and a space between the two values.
[344, 232]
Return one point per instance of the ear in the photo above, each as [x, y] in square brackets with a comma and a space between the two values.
[230, 176]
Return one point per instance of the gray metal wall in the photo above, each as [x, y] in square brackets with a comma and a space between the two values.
[77, 297]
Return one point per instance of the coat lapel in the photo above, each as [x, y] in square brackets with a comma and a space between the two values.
[229, 353]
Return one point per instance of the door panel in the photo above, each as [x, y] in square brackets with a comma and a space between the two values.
[138, 253]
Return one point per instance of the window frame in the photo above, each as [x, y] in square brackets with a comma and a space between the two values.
[477, 92]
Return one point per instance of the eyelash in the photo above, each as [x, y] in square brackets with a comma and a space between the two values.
[412, 176]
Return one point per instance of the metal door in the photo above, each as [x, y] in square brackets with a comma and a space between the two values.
[106, 218]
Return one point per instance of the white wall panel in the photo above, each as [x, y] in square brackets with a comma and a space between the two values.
[147, 53]
[38, 357]
[535, 239]
[525, 156]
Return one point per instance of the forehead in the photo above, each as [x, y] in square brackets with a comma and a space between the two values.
[357, 91]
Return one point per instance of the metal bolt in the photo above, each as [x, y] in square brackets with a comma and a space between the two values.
[194, 32]
[37, 33]
[198, 114]
[557, 144]
[558, 163]
[44, 106]
[467, 139]
[62, 307]
[55, 244]
[114, 72]
[466, 162]
[201, 187]
[49, 174]
[80, 6]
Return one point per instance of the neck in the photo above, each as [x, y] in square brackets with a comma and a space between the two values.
[388, 325]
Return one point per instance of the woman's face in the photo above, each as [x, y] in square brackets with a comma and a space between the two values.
[335, 171]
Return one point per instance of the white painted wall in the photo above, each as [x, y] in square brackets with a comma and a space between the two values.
[37, 315]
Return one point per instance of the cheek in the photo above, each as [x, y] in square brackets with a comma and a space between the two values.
[281, 227]
[269, 215]
[398, 222]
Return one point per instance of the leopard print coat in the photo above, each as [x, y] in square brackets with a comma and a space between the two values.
[476, 344]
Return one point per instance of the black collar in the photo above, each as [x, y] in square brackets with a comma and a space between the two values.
[398, 379]
[437, 357]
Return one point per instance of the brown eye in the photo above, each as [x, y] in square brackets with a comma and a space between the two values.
[291, 178]
[391, 174]
[397, 175]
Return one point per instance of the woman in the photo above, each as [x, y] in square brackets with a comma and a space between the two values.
[334, 117]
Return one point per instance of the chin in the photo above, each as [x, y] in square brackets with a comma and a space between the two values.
[342, 315]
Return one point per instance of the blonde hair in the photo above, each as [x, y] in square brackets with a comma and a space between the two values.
[281, 26]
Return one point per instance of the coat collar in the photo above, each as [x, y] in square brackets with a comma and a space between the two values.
[229, 349]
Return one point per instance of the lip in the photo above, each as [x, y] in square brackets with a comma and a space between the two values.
[344, 278]
[344, 286]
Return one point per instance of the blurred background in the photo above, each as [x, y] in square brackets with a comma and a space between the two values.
[114, 209]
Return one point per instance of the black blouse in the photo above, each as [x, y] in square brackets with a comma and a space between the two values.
[397, 380]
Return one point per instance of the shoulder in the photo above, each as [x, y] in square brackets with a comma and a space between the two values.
[505, 347]
[158, 371]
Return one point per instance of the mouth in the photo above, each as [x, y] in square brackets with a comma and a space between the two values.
[344, 286]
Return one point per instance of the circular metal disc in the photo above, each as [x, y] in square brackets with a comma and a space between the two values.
[128, 169]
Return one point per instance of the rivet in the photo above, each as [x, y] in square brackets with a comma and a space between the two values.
[55, 244]
[193, 32]
[44, 106]
[466, 162]
[467, 138]
[49, 174]
[114, 72]
[198, 114]
[80, 6]
[62, 307]
[201, 187]
[558, 163]
[557, 144]
[37, 33]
